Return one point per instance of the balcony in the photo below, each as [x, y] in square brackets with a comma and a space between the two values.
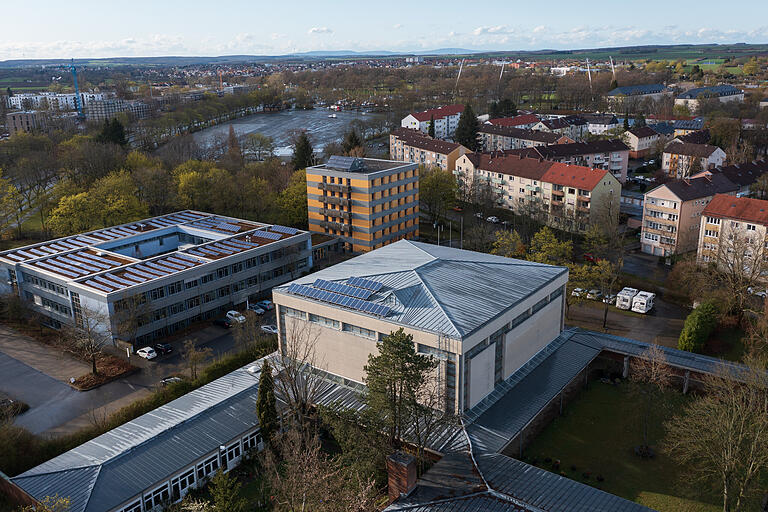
[335, 213]
[334, 187]
[343, 201]
[557, 203]
[582, 209]
[336, 225]
[584, 199]
[497, 181]
[532, 188]
[559, 193]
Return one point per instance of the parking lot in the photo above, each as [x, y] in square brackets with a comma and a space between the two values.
[38, 375]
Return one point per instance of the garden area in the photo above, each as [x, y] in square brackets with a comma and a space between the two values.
[593, 443]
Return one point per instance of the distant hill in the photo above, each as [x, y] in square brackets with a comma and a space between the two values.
[657, 52]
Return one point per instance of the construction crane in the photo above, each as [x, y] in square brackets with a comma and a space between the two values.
[78, 103]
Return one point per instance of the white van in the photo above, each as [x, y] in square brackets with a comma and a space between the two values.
[624, 298]
[643, 302]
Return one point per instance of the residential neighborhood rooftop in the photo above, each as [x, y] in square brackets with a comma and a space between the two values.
[690, 149]
[439, 113]
[695, 188]
[635, 90]
[741, 208]
[710, 91]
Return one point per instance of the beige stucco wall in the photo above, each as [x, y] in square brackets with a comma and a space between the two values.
[524, 341]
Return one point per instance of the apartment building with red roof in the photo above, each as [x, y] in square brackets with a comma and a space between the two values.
[407, 145]
[524, 121]
[733, 233]
[446, 120]
[569, 197]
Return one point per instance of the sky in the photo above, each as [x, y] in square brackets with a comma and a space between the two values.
[141, 28]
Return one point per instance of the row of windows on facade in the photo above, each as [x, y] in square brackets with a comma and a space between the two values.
[665, 203]
[167, 330]
[195, 476]
[176, 287]
[661, 215]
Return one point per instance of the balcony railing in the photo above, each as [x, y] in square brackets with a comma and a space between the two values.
[335, 187]
[584, 199]
[560, 193]
[532, 188]
[336, 225]
[335, 213]
[343, 201]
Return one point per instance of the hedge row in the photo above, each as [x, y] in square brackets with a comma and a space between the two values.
[698, 326]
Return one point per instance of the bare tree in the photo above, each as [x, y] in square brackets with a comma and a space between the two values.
[650, 376]
[721, 437]
[131, 313]
[302, 478]
[194, 357]
[89, 335]
[299, 378]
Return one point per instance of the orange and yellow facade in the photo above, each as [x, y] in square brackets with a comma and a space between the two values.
[367, 208]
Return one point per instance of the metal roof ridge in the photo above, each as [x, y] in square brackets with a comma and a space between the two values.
[434, 299]
[91, 485]
[63, 470]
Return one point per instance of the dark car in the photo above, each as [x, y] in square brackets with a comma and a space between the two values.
[222, 322]
[163, 348]
[170, 380]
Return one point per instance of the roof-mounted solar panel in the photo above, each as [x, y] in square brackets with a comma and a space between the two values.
[367, 284]
[346, 163]
[284, 229]
[343, 289]
[267, 234]
[339, 299]
[98, 286]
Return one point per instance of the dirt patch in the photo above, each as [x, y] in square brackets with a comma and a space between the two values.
[109, 367]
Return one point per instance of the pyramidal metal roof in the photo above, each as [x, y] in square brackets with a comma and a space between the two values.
[441, 289]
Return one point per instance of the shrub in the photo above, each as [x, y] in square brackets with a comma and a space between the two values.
[698, 326]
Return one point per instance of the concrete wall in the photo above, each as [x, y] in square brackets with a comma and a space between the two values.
[481, 375]
[525, 341]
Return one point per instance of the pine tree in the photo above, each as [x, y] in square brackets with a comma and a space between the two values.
[9, 92]
[614, 84]
[225, 492]
[431, 129]
[351, 141]
[113, 132]
[626, 121]
[266, 408]
[467, 129]
[640, 121]
[303, 154]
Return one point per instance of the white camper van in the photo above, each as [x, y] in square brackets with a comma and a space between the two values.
[624, 298]
[643, 302]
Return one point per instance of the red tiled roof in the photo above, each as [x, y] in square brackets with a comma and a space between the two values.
[574, 176]
[530, 168]
[418, 140]
[740, 208]
[515, 121]
[438, 113]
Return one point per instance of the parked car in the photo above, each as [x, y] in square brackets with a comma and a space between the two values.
[256, 309]
[577, 292]
[594, 294]
[147, 353]
[235, 317]
[163, 348]
[588, 256]
[480, 215]
[266, 305]
[759, 293]
[223, 322]
[269, 329]
[493, 219]
[610, 299]
[170, 380]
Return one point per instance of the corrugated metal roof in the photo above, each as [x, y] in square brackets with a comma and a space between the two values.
[441, 289]
[111, 468]
[547, 491]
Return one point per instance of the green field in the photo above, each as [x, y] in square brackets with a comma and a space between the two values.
[597, 434]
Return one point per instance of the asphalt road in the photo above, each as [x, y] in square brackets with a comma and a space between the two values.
[53, 403]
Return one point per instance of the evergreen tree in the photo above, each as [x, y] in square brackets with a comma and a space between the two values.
[113, 132]
[614, 84]
[266, 408]
[626, 121]
[225, 493]
[351, 141]
[303, 154]
[507, 108]
[467, 129]
[494, 111]
[9, 92]
[393, 378]
[431, 129]
[640, 120]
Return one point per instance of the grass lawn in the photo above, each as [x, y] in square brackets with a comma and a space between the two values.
[726, 343]
[597, 434]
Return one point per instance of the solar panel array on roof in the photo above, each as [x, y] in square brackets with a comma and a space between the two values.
[345, 163]
[267, 234]
[366, 284]
[284, 229]
[343, 289]
[339, 300]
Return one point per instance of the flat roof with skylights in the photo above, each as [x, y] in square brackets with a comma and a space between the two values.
[189, 265]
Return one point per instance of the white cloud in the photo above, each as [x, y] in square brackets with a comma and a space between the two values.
[397, 26]
[319, 30]
[498, 29]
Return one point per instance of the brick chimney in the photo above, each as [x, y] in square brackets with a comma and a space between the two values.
[401, 473]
